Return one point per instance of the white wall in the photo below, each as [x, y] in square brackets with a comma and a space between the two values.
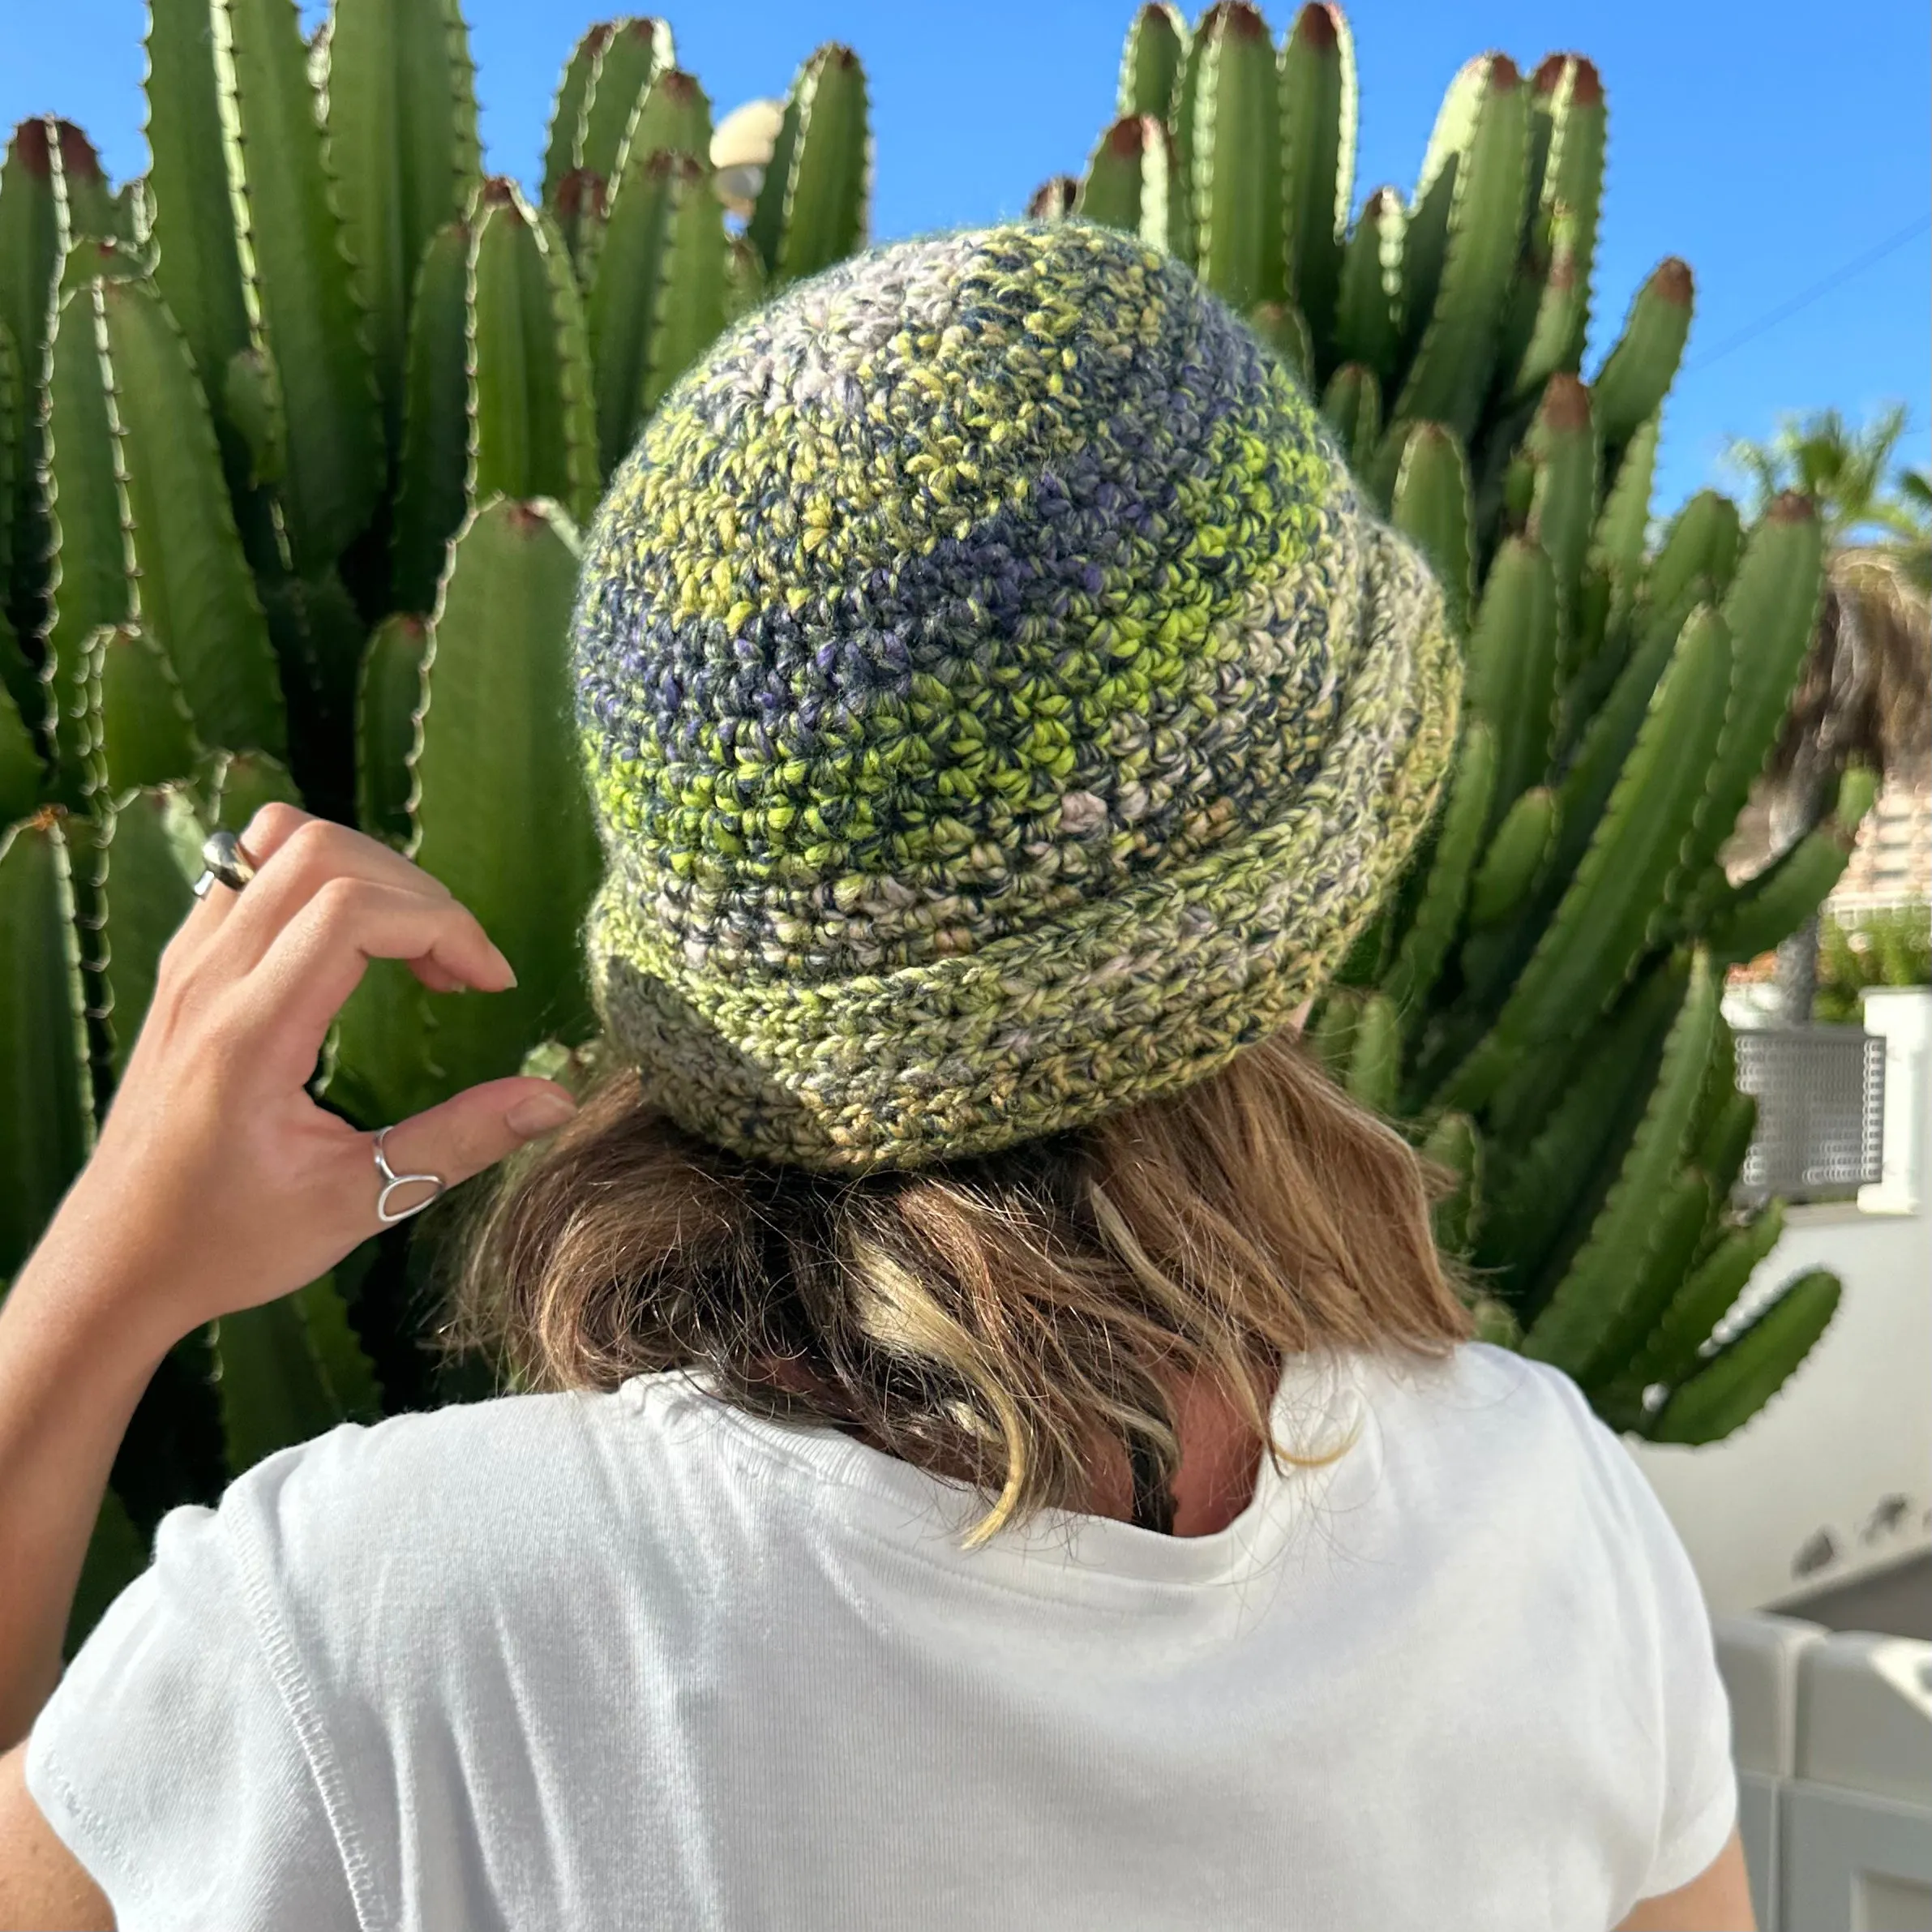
[1852, 1431]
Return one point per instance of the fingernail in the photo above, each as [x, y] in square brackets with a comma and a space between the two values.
[539, 1114]
[509, 970]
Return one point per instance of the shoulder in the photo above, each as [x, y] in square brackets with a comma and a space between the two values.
[1491, 1395]
[433, 1475]
[436, 1527]
[1484, 1425]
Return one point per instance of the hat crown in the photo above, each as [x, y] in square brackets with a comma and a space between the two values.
[951, 588]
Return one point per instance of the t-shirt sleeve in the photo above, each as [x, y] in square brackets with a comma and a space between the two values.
[1699, 1779]
[171, 1759]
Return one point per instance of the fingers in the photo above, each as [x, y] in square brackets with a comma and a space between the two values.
[293, 855]
[296, 860]
[463, 1135]
[315, 961]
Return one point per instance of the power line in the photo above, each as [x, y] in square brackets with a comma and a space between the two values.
[1810, 295]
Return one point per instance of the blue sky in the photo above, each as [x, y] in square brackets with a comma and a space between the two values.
[1770, 144]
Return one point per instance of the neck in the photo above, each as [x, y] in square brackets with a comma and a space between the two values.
[1219, 1463]
[1220, 1459]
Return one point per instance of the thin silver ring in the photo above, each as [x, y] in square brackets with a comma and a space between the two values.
[391, 1181]
[227, 864]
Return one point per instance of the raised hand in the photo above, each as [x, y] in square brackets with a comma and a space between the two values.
[215, 1168]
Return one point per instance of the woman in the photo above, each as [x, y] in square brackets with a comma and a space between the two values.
[1009, 1453]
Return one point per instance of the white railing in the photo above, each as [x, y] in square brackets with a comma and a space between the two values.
[1832, 1738]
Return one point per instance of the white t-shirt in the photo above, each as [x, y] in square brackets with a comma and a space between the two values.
[641, 1660]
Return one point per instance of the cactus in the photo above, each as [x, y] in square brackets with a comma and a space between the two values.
[495, 671]
[533, 429]
[491, 670]
[308, 315]
[46, 1114]
[1150, 64]
[1317, 169]
[614, 65]
[1549, 301]
[295, 434]
[273, 404]
[1462, 246]
[52, 194]
[1227, 133]
[1132, 182]
[1541, 985]
[146, 529]
[659, 294]
[403, 153]
[815, 203]
[289, 1370]
[1369, 303]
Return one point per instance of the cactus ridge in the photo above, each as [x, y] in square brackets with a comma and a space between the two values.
[1481, 201]
[1669, 1351]
[1773, 601]
[1425, 946]
[1514, 857]
[622, 59]
[1318, 117]
[1131, 184]
[48, 1118]
[531, 425]
[1596, 934]
[1369, 312]
[1455, 1145]
[1512, 675]
[1639, 370]
[1151, 61]
[1592, 1300]
[1562, 446]
[299, 279]
[1734, 1384]
[1351, 405]
[1230, 142]
[434, 459]
[142, 731]
[1375, 1059]
[1669, 1244]
[1430, 505]
[1752, 919]
[814, 205]
[1550, 304]
[401, 150]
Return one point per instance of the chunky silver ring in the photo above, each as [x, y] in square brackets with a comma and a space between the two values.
[227, 864]
[391, 1181]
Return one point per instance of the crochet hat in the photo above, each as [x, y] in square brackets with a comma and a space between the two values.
[998, 704]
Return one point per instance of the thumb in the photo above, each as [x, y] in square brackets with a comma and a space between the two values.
[466, 1133]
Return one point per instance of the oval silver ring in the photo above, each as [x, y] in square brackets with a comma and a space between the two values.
[393, 1181]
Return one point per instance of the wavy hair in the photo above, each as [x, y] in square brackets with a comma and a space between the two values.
[1009, 1320]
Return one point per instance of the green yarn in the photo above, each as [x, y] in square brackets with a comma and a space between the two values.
[998, 704]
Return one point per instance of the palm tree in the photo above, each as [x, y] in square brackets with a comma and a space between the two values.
[1863, 695]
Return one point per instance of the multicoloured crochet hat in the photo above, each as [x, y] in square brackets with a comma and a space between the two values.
[999, 706]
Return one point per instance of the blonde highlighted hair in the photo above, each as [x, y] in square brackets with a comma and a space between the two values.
[1008, 1320]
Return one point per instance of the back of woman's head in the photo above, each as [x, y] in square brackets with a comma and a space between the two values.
[996, 1318]
[1002, 713]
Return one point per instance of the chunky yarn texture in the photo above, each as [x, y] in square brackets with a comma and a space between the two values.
[998, 704]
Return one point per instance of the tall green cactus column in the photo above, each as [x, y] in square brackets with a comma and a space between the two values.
[1537, 1002]
[53, 193]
